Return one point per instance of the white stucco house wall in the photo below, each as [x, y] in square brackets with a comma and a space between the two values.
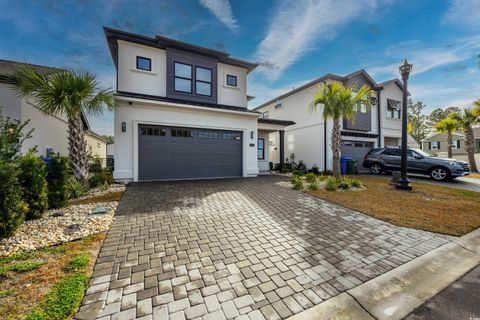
[49, 132]
[309, 138]
[182, 112]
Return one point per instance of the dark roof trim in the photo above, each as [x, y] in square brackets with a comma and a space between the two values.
[165, 99]
[275, 121]
[162, 43]
[359, 134]
[363, 73]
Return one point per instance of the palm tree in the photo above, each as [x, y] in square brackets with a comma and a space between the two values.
[339, 102]
[448, 126]
[67, 92]
[467, 120]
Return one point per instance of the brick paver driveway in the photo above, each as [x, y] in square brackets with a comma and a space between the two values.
[238, 248]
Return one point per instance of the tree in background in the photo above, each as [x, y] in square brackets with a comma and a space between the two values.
[71, 93]
[439, 114]
[108, 138]
[467, 119]
[448, 126]
[12, 136]
[417, 121]
[339, 102]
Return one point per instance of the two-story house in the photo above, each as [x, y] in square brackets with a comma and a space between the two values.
[309, 138]
[182, 112]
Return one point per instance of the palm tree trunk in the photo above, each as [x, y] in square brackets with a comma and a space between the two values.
[77, 147]
[449, 143]
[470, 148]
[336, 141]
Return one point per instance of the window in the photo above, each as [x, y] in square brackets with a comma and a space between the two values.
[231, 80]
[393, 109]
[184, 133]
[363, 108]
[261, 148]
[144, 63]
[392, 152]
[203, 134]
[434, 145]
[278, 106]
[456, 144]
[183, 77]
[203, 81]
[265, 115]
[231, 136]
[153, 132]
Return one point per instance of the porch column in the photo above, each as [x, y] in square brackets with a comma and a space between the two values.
[282, 147]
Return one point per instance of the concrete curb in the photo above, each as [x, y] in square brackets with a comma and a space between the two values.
[395, 294]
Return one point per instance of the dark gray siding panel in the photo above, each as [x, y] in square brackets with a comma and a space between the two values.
[361, 122]
[174, 55]
[168, 158]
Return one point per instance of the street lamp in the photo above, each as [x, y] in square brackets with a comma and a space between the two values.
[404, 183]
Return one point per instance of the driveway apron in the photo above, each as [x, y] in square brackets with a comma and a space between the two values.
[237, 249]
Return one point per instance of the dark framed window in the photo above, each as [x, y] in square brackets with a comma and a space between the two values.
[203, 81]
[161, 132]
[261, 149]
[144, 63]
[393, 109]
[183, 133]
[278, 106]
[392, 152]
[231, 80]
[182, 77]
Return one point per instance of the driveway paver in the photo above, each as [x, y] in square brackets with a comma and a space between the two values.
[238, 248]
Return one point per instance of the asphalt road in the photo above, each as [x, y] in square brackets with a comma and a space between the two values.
[459, 301]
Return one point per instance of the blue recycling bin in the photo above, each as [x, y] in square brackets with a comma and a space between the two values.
[343, 164]
[48, 162]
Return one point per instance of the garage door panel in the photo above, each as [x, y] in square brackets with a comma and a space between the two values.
[201, 154]
[357, 150]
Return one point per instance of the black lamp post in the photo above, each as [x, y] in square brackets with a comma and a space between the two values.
[404, 183]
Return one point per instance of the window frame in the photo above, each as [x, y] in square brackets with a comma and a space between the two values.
[265, 115]
[183, 78]
[391, 112]
[145, 58]
[231, 76]
[262, 149]
[203, 81]
[278, 106]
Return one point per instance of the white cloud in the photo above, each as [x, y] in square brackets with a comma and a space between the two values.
[444, 95]
[222, 10]
[425, 58]
[298, 25]
[464, 13]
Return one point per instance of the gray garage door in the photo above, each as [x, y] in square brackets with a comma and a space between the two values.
[357, 150]
[167, 153]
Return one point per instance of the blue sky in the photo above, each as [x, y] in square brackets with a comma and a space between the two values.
[294, 41]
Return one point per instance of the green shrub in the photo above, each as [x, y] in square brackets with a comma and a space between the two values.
[98, 179]
[344, 183]
[356, 183]
[32, 174]
[315, 169]
[12, 136]
[297, 182]
[298, 173]
[314, 185]
[75, 189]
[12, 207]
[331, 183]
[58, 177]
[80, 262]
[20, 267]
[311, 177]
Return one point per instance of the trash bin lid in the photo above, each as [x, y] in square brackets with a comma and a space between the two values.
[346, 158]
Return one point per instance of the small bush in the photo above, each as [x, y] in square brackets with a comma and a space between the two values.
[75, 189]
[311, 177]
[57, 186]
[315, 169]
[344, 184]
[12, 207]
[98, 179]
[356, 183]
[331, 183]
[314, 185]
[297, 182]
[298, 173]
[80, 262]
[32, 174]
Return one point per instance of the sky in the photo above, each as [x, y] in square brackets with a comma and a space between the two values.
[294, 41]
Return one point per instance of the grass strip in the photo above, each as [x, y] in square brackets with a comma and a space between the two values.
[80, 262]
[20, 267]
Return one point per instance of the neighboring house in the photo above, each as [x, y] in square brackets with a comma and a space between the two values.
[50, 132]
[182, 112]
[309, 138]
[437, 142]
[110, 154]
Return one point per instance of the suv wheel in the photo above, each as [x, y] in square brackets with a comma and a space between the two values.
[439, 174]
[376, 168]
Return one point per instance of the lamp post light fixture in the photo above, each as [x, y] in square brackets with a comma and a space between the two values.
[404, 183]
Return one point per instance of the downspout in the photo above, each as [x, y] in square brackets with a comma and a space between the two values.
[379, 113]
[324, 138]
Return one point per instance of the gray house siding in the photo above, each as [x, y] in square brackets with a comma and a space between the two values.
[174, 55]
[361, 121]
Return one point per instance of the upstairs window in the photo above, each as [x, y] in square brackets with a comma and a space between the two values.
[203, 81]
[265, 115]
[231, 80]
[183, 77]
[278, 106]
[393, 109]
[361, 108]
[144, 63]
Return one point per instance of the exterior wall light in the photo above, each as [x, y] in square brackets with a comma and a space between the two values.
[124, 126]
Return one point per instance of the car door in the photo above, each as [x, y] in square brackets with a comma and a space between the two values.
[415, 162]
[391, 158]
